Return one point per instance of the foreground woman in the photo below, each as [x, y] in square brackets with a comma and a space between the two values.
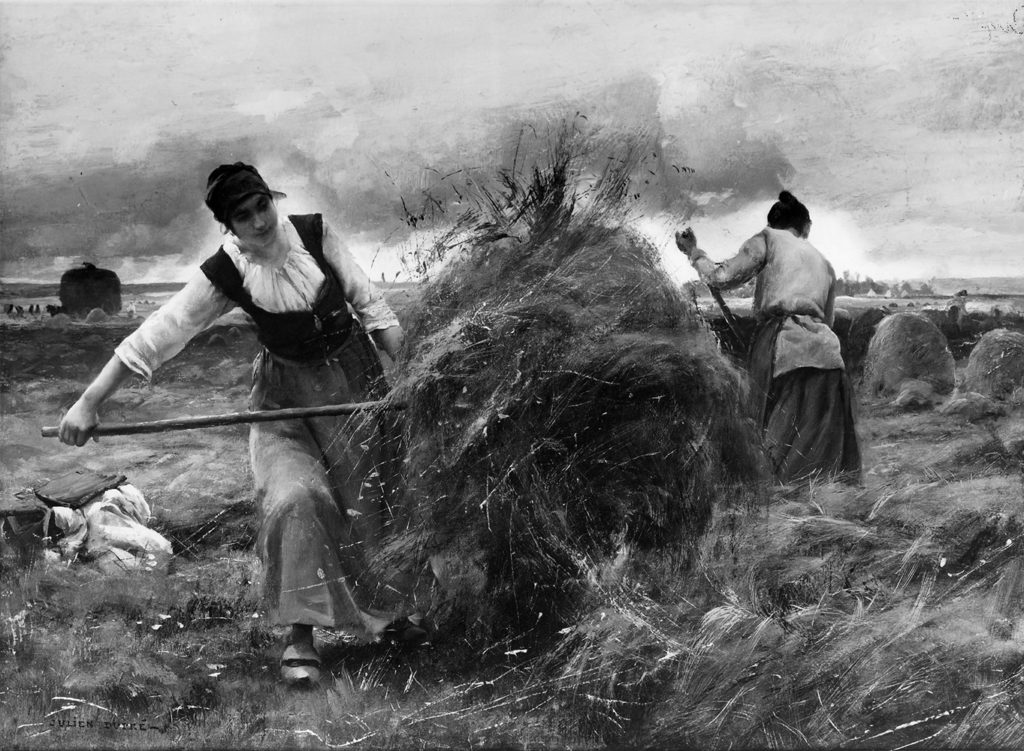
[801, 394]
[323, 484]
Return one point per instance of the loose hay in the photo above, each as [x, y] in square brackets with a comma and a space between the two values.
[996, 365]
[568, 410]
[907, 346]
[971, 406]
[915, 395]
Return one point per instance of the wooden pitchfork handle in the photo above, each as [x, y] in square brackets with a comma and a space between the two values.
[730, 319]
[232, 418]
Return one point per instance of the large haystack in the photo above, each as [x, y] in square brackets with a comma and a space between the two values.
[567, 411]
[996, 365]
[907, 346]
[88, 287]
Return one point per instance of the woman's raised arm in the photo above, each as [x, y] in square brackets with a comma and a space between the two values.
[732, 272]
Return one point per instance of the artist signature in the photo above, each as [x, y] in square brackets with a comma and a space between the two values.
[1015, 26]
[78, 723]
[86, 723]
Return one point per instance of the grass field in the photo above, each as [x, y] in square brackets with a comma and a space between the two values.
[885, 615]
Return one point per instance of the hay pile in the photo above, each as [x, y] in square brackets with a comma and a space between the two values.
[996, 365]
[907, 346]
[97, 315]
[88, 287]
[568, 411]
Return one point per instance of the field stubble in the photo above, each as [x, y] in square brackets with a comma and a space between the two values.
[883, 615]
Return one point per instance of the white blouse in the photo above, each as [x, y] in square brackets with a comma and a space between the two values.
[794, 280]
[291, 287]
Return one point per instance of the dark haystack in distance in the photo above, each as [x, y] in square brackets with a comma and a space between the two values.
[567, 408]
[858, 337]
[907, 346]
[88, 287]
[996, 365]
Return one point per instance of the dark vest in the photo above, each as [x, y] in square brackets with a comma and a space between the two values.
[297, 335]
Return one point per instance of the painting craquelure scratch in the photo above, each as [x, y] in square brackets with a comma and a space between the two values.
[467, 374]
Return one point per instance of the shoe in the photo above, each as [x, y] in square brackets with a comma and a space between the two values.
[300, 666]
[411, 631]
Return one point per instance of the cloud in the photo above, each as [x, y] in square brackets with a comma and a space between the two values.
[339, 132]
[897, 115]
[270, 105]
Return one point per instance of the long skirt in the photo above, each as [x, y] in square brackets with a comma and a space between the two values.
[806, 416]
[324, 489]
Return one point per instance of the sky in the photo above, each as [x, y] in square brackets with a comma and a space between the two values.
[899, 124]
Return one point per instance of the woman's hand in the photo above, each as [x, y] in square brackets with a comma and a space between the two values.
[686, 241]
[390, 340]
[78, 423]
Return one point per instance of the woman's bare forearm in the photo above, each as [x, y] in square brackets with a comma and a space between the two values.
[114, 373]
[78, 423]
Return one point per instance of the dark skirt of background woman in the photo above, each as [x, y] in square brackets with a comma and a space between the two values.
[806, 416]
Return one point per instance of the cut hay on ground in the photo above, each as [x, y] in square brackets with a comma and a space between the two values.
[568, 410]
[996, 365]
[907, 346]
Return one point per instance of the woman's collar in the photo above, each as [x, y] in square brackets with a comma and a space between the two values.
[287, 235]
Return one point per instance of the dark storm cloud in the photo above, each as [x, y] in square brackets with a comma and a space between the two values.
[906, 117]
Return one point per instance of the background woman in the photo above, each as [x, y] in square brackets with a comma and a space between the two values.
[801, 394]
[323, 485]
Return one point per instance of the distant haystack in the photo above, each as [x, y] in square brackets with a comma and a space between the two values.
[97, 315]
[908, 346]
[568, 410]
[858, 337]
[996, 365]
[88, 287]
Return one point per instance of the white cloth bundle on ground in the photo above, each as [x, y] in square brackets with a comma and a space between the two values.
[113, 532]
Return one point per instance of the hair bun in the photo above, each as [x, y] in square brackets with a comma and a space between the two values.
[788, 213]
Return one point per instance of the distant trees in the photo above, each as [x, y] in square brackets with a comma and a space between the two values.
[851, 285]
[848, 285]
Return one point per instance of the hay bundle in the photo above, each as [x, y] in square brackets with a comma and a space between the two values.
[88, 287]
[907, 346]
[567, 411]
[996, 365]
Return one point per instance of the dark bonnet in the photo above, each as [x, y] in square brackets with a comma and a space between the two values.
[229, 185]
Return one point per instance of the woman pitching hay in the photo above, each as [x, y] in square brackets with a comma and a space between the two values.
[322, 484]
[801, 394]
